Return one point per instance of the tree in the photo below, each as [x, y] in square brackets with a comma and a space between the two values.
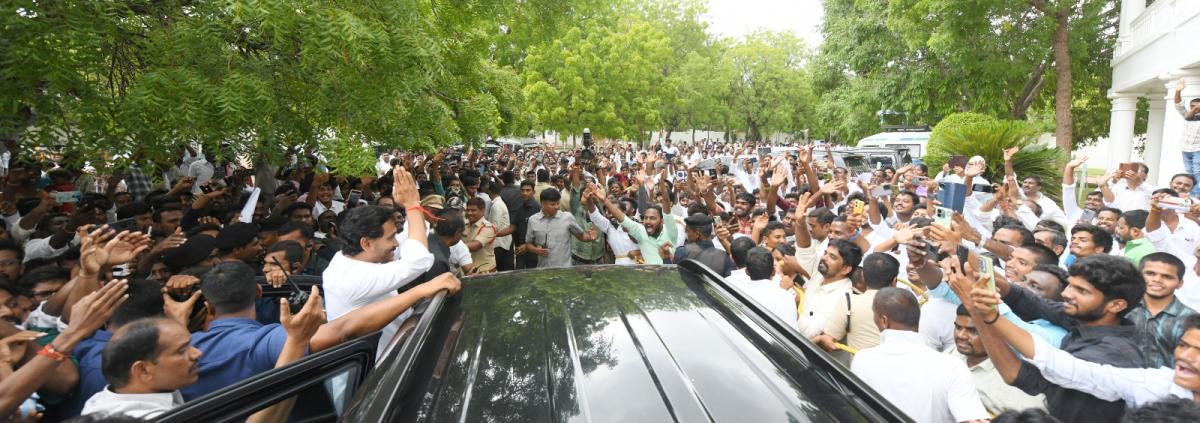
[120, 80]
[602, 77]
[931, 58]
[771, 90]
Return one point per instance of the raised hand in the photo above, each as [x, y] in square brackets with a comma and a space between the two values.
[126, 247]
[803, 155]
[93, 310]
[304, 324]
[1076, 162]
[832, 187]
[176, 239]
[1009, 153]
[179, 311]
[12, 347]
[404, 188]
[761, 222]
[1179, 86]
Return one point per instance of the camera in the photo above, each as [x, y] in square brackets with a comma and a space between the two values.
[587, 155]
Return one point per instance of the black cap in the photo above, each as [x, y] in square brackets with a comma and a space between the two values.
[236, 235]
[196, 249]
[701, 223]
[698, 220]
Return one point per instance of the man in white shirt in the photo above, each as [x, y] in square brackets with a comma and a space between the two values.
[996, 395]
[1127, 190]
[763, 289]
[364, 271]
[822, 292]
[927, 385]
[1170, 233]
[146, 363]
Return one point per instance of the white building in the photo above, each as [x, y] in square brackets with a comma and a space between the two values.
[1156, 46]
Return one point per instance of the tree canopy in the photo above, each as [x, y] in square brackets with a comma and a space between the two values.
[113, 81]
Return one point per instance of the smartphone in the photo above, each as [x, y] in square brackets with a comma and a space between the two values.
[67, 197]
[858, 207]
[987, 270]
[957, 161]
[680, 175]
[764, 151]
[1087, 215]
[1176, 203]
[355, 195]
[922, 191]
[716, 221]
[1128, 167]
[944, 216]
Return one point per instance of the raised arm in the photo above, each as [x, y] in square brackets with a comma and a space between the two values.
[404, 193]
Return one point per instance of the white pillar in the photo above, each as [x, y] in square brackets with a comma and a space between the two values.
[1154, 137]
[1120, 129]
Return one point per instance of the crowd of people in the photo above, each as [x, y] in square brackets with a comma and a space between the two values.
[131, 293]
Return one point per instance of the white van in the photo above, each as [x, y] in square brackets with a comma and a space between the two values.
[916, 142]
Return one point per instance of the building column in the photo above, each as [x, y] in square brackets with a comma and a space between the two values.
[1120, 128]
[1152, 155]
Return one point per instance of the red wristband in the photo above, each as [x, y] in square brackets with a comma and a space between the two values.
[48, 351]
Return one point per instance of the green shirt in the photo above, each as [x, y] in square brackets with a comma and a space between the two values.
[1138, 248]
[648, 244]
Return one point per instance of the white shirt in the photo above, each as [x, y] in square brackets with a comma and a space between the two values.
[202, 170]
[937, 323]
[767, 293]
[618, 240]
[1181, 243]
[996, 395]
[1136, 387]
[498, 215]
[927, 385]
[819, 299]
[319, 208]
[350, 284]
[1128, 199]
[142, 406]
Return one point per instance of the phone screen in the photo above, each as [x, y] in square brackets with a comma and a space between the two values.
[987, 270]
[1087, 215]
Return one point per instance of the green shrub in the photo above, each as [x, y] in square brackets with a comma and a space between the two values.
[988, 140]
[958, 120]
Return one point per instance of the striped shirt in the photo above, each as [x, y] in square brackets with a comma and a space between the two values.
[1158, 335]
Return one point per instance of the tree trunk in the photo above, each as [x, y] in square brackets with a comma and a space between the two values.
[1033, 86]
[1062, 92]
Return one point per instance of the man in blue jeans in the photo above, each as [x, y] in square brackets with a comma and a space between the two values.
[1190, 145]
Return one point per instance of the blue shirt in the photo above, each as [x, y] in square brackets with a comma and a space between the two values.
[234, 349]
[91, 379]
[1052, 333]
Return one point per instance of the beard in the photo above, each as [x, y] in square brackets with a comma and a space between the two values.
[823, 269]
[1089, 315]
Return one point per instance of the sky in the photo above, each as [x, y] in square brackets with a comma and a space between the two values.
[735, 18]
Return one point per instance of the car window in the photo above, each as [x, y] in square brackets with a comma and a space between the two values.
[318, 388]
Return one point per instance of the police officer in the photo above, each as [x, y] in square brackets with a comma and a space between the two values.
[700, 246]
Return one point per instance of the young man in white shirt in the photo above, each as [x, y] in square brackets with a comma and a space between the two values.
[1127, 190]
[761, 286]
[830, 282]
[1170, 233]
[927, 385]
[364, 271]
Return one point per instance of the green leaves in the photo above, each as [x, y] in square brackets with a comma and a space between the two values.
[971, 134]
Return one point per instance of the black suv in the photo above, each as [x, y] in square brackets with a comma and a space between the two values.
[587, 344]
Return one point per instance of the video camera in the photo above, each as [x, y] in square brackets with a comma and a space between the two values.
[587, 155]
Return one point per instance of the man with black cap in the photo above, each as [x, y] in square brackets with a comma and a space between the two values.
[239, 242]
[196, 251]
[700, 246]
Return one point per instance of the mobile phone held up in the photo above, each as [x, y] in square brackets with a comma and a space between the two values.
[944, 217]
[67, 197]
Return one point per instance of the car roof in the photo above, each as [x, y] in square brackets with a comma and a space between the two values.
[613, 343]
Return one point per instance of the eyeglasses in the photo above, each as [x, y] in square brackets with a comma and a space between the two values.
[9, 262]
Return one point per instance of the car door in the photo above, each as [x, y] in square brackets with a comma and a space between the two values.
[322, 385]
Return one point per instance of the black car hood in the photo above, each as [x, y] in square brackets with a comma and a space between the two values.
[613, 343]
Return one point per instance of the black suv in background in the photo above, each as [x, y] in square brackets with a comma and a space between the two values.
[588, 344]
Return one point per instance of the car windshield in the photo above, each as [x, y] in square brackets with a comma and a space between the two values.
[614, 344]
